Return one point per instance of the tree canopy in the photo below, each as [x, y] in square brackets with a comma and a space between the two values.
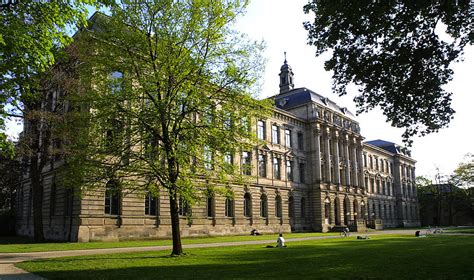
[394, 53]
[32, 34]
[166, 95]
[32, 37]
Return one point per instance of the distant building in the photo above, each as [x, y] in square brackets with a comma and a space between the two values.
[314, 173]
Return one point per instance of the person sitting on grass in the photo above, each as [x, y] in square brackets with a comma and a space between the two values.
[281, 241]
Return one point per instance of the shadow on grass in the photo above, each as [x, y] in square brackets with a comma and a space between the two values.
[439, 257]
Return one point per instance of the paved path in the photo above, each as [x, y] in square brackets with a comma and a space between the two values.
[9, 271]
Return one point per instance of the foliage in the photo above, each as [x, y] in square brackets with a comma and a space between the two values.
[32, 36]
[441, 257]
[9, 180]
[165, 89]
[449, 198]
[393, 51]
[464, 174]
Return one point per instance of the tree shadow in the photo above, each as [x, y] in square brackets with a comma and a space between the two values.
[348, 258]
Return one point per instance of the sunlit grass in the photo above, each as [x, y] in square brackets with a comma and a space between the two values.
[19, 245]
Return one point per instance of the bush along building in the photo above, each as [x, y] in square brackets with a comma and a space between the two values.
[314, 173]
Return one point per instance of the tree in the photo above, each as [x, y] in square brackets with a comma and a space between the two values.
[464, 174]
[392, 50]
[165, 91]
[9, 180]
[32, 35]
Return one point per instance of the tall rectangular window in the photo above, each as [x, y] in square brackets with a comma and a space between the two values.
[112, 198]
[150, 204]
[210, 206]
[275, 134]
[262, 165]
[246, 163]
[229, 159]
[289, 170]
[300, 141]
[302, 172]
[261, 130]
[229, 207]
[276, 168]
[288, 138]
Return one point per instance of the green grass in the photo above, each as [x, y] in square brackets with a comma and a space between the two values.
[460, 230]
[383, 256]
[21, 245]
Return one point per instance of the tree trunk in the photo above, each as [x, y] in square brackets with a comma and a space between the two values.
[177, 246]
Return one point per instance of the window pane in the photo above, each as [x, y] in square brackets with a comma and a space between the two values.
[288, 137]
[262, 165]
[261, 130]
[275, 135]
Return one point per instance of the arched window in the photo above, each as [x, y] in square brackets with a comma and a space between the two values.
[362, 210]
[356, 209]
[112, 198]
[150, 204]
[327, 211]
[303, 207]
[278, 210]
[229, 207]
[210, 205]
[337, 218]
[291, 207]
[247, 205]
[263, 206]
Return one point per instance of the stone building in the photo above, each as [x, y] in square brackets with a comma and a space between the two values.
[314, 173]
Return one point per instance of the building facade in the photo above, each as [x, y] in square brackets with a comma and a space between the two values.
[314, 173]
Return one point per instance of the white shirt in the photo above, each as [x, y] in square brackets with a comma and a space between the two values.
[281, 242]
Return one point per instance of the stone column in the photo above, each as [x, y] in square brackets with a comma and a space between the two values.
[355, 166]
[328, 156]
[348, 162]
[359, 162]
[337, 175]
[317, 157]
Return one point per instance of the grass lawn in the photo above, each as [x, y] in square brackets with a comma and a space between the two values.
[460, 230]
[383, 256]
[20, 245]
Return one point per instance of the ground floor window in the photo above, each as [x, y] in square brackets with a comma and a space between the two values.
[263, 206]
[183, 207]
[112, 198]
[229, 207]
[278, 210]
[247, 205]
[150, 204]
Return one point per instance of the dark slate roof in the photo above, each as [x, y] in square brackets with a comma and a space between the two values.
[300, 96]
[390, 147]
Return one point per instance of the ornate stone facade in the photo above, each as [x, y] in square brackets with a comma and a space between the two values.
[314, 173]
